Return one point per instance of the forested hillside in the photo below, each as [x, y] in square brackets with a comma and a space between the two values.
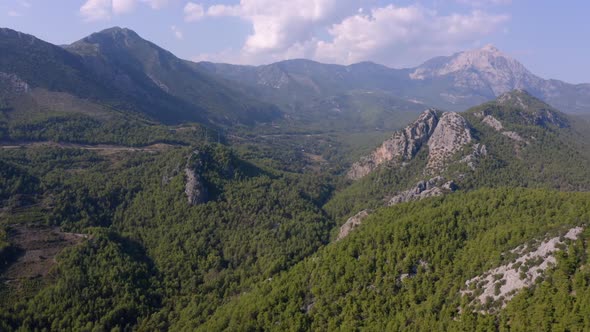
[149, 253]
[405, 267]
[142, 192]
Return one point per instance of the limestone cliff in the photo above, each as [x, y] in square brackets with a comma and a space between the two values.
[449, 137]
[424, 189]
[195, 190]
[444, 133]
[351, 223]
[402, 146]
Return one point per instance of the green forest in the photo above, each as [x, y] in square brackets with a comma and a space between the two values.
[143, 192]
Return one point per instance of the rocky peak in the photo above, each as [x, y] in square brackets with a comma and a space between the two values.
[483, 68]
[402, 146]
[490, 49]
[452, 133]
[117, 40]
[445, 135]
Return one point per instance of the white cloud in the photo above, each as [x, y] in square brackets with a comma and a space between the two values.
[122, 6]
[96, 10]
[223, 10]
[14, 13]
[344, 32]
[482, 3]
[277, 25]
[157, 4]
[193, 12]
[100, 10]
[399, 36]
[177, 32]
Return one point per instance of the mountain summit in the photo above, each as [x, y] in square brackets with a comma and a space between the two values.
[483, 68]
[466, 78]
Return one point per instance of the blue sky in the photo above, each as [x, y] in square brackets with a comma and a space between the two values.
[548, 37]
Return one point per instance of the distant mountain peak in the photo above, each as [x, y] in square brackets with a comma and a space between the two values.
[490, 48]
[486, 69]
[111, 39]
[118, 30]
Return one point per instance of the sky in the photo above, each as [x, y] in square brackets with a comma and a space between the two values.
[549, 37]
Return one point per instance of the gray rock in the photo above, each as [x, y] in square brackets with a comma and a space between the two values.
[351, 223]
[492, 122]
[424, 189]
[195, 190]
[449, 137]
[402, 146]
[479, 150]
[513, 135]
[445, 136]
[11, 83]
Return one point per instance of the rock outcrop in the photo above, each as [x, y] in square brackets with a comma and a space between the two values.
[451, 134]
[479, 150]
[351, 223]
[194, 188]
[402, 146]
[492, 122]
[195, 191]
[444, 134]
[483, 69]
[499, 285]
[12, 84]
[495, 124]
[424, 189]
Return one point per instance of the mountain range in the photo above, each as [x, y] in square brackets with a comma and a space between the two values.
[140, 191]
[116, 69]
[455, 82]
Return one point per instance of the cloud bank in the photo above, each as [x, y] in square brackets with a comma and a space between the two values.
[345, 32]
[102, 10]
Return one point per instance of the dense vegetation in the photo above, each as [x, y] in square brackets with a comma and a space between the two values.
[548, 156]
[439, 243]
[159, 252]
[104, 141]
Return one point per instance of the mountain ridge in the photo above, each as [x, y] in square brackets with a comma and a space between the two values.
[456, 82]
[119, 69]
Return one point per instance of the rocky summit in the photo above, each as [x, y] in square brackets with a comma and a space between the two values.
[483, 68]
[402, 146]
[445, 133]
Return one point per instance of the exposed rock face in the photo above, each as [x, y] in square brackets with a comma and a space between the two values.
[449, 137]
[195, 192]
[351, 223]
[402, 146]
[502, 283]
[12, 84]
[445, 135]
[479, 150]
[194, 188]
[513, 135]
[424, 189]
[484, 69]
[492, 122]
